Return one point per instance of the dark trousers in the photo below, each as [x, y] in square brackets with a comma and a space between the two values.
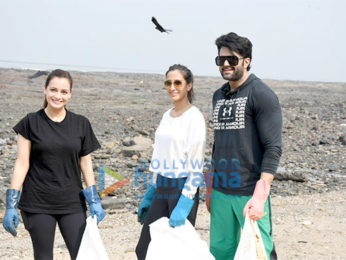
[42, 231]
[166, 198]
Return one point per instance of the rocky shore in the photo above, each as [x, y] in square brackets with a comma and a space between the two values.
[125, 109]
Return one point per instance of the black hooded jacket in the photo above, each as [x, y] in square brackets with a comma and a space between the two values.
[247, 135]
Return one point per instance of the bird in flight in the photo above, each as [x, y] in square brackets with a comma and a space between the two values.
[158, 26]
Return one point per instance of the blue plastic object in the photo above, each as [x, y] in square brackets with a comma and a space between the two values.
[145, 203]
[93, 199]
[11, 219]
[181, 211]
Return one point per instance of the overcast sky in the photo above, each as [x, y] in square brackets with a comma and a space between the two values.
[292, 39]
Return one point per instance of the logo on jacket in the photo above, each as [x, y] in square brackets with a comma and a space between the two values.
[229, 114]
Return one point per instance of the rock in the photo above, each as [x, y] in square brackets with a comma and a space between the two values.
[283, 175]
[139, 130]
[3, 141]
[62, 246]
[289, 126]
[109, 145]
[2, 197]
[131, 164]
[144, 132]
[142, 143]
[324, 141]
[129, 152]
[130, 119]
[281, 170]
[342, 138]
[2, 214]
[128, 141]
[113, 203]
[102, 156]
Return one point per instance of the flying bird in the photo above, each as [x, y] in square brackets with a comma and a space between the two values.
[158, 26]
[38, 74]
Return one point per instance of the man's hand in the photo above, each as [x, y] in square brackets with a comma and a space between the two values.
[255, 206]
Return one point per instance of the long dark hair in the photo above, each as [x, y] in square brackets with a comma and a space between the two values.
[188, 76]
[59, 74]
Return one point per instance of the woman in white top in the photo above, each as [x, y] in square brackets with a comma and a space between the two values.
[177, 160]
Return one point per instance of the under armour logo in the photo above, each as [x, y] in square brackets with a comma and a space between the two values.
[227, 112]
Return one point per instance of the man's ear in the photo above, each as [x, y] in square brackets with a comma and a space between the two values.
[247, 62]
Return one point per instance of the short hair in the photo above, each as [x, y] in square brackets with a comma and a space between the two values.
[236, 43]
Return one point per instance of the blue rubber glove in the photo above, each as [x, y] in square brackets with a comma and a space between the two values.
[11, 219]
[93, 199]
[145, 203]
[181, 211]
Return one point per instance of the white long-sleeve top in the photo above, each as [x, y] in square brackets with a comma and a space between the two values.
[179, 149]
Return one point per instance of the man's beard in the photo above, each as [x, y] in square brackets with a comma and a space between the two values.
[237, 74]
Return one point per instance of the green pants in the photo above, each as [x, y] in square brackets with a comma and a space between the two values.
[226, 223]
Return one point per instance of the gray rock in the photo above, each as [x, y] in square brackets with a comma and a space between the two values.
[129, 152]
[324, 141]
[3, 141]
[281, 170]
[113, 203]
[128, 141]
[2, 197]
[142, 143]
[143, 132]
[298, 176]
[342, 139]
[102, 156]
[140, 130]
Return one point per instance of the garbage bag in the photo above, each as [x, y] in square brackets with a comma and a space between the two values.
[91, 246]
[181, 242]
[251, 245]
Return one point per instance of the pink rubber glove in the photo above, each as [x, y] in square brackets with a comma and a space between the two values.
[255, 205]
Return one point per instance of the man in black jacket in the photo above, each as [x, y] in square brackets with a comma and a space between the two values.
[247, 149]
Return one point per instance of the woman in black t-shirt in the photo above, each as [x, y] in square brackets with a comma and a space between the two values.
[54, 147]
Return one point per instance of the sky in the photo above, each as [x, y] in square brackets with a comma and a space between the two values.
[292, 39]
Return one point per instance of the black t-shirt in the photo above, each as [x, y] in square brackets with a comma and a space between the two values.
[53, 183]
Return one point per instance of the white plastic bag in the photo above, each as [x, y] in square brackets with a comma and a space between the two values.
[181, 242]
[250, 246]
[91, 246]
